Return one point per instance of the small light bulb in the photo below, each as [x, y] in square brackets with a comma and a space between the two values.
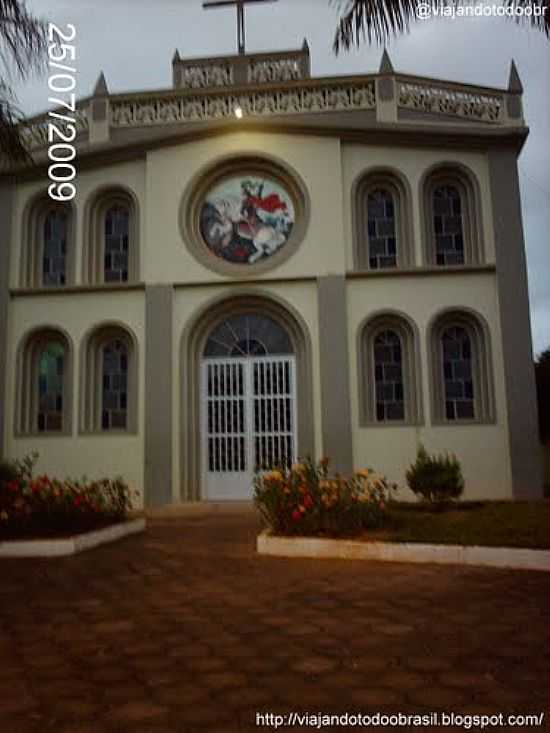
[238, 113]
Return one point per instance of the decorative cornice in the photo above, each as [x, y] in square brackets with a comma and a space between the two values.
[427, 97]
[165, 109]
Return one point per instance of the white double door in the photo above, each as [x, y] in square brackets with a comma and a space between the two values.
[248, 421]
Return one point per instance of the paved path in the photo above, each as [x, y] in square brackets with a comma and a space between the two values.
[186, 629]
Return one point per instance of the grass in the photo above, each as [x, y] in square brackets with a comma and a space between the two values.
[495, 524]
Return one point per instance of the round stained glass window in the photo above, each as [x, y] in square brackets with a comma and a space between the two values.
[246, 218]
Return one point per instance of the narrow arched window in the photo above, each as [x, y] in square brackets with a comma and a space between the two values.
[44, 384]
[461, 368]
[456, 355]
[50, 377]
[388, 376]
[114, 406]
[48, 246]
[383, 236]
[452, 217]
[54, 248]
[381, 229]
[111, 238]
[448, 226]
[116, 245]
[109, 381]
[389, 371]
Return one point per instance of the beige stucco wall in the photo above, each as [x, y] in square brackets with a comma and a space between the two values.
[170, 170]
[91, 455]
[358, 160]
[329, 170]
[89, 183]
[482, 449]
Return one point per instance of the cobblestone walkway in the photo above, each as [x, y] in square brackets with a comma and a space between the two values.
[186, 629]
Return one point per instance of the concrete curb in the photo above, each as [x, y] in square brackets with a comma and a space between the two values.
[316, 547]
[71, 545]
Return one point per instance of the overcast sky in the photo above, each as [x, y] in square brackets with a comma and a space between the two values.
[132, 41]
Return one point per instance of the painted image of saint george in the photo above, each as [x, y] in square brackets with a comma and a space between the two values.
[245, 220]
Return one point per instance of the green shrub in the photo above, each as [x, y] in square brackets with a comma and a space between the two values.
[436, 478]
[306, 500]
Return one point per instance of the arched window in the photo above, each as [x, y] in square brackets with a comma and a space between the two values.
[382, 237]
[448, 226]
[452, 212]
[116, 253]
[388, 376]
[462, 385]
[114, 387]
[47, 257]
[109, 381]
[45, 384]
[50, 376]
[383, 226]
[389, 381]
[54, 253]
[248, 335]
[111, 245]
[458, 378]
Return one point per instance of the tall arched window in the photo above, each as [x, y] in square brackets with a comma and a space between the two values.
[44, 392]
[453, 232]
[388, 376]
[114, 396]
[111, 244]
[448, 226]
[458, 378]
[389, 373]
[109, 380]
[116, 244]
[50, 377]
[381, 226]
[461, 368]
[382, 221]
[47, 255]
[54, 252]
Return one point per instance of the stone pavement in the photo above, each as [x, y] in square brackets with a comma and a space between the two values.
[186, 629]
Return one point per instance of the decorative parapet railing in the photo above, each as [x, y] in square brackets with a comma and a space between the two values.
[450, 100]
[204, 76]
[273, 70]
[168, 108]
[226, 71]
[35, 131]
[394, 99]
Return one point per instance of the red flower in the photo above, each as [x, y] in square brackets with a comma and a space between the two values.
[308, 501]
[13, 485]
[78, 501]
[296, 515]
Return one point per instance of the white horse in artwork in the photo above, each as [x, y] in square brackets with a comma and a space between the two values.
[265, 238]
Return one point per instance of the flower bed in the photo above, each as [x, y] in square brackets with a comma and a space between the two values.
[42, 506]
[306, 500]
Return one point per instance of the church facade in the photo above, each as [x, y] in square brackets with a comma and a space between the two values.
[260, 265]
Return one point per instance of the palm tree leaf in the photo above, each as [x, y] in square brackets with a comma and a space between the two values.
[23, 38]
[377, 20]
[538, 13]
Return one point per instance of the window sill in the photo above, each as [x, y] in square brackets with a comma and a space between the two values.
[72, 289]
[429, 270]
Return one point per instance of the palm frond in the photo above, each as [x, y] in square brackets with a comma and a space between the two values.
[12, 146]
[23, 38]
[538, 13]
[368, 20]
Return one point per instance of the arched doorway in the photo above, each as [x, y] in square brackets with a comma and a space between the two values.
[248, 403]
